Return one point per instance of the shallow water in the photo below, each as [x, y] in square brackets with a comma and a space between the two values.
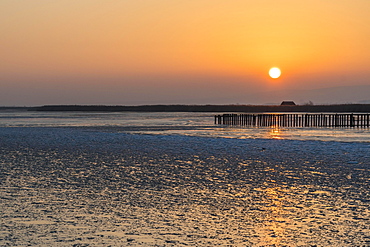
[85, 187]
[188, 124]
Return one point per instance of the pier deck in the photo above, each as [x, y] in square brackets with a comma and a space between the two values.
[295, 120]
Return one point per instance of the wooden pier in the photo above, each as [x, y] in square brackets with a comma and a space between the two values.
[295, 120]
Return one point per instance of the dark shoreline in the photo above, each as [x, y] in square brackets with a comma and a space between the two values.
[361, 108]
[365, 108]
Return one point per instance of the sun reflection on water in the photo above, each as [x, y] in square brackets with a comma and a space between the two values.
[275, 133]
[273, 231]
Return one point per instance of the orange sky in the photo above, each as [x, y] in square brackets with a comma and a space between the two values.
[162, 51]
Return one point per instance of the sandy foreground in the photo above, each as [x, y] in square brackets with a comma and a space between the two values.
[86, 187]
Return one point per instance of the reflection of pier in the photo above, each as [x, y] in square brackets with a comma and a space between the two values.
[295, 120]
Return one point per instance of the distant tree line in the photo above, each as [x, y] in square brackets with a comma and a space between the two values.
[207, 108]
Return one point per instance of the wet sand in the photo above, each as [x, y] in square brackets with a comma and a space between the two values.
[85, 187]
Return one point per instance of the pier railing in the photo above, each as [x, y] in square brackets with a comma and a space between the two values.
[295, 120]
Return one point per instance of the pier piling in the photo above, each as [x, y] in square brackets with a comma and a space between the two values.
[295, 120]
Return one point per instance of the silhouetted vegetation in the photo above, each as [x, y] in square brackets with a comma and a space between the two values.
[208, 108]
[14, 108]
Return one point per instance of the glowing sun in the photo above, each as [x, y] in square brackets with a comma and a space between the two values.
[274, 72]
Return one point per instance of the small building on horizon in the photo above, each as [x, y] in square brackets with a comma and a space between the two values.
[287, 103]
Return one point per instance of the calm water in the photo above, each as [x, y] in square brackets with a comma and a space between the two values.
[188, 124]
[96, 184]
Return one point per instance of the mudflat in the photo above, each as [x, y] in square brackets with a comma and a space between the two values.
[86, 187]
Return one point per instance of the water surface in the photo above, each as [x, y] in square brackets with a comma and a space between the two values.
[189, 124]
[175, 179]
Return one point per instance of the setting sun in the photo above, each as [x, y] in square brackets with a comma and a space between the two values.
[274, 73]
[175, 52]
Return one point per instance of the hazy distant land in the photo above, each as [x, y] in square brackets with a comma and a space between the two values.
[207, 108]
[365, 108]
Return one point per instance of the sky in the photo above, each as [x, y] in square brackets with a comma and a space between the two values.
[125, 52]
